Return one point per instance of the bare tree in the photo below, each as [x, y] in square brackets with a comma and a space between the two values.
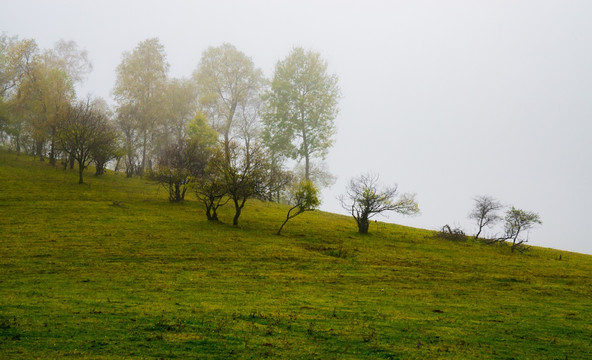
[485, 212]
[516, 222]
[364, 199]
[304, 198]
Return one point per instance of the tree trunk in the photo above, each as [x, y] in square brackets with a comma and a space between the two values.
[307, 167]
[363, 225]
[143, 164]
[237, 212]
[100, 168]
[477, 235]
[80, 171]
[39, 149]
[52, 153]
[209, 212]
[281, 227]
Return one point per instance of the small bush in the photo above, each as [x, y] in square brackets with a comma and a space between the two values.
[449, 233]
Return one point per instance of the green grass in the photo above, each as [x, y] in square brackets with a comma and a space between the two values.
[111, 270]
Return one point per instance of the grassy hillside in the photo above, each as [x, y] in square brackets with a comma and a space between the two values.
[111, 270]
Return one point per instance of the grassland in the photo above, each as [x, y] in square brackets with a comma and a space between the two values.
[111, 270]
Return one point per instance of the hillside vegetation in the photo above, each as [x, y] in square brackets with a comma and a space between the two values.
[110, 270]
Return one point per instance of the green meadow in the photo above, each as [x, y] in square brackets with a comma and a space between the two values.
[110, 269]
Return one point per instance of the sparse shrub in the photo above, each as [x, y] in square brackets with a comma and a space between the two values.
[304, 198]
[455, 234]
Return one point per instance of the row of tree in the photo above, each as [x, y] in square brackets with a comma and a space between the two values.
[226, 132]
[39, 111]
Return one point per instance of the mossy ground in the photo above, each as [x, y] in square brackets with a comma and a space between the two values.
[111, 270]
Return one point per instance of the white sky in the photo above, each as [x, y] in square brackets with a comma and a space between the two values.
[449, 99]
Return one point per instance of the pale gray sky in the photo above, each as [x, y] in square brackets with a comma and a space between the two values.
[449, 99]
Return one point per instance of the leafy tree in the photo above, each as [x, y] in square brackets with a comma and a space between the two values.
[229, 86]
[177, 163]
[109, 147]
[364, 199]
[198, 129]
[301, 106]
[180, 107]
[47, 93]
[66, 56]
[304, 198]
[516, 222]
[81, 131]
[127, 125]
[17, 61]
[139, 92]
[484, 213]
[16, 57]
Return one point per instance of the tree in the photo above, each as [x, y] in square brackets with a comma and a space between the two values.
[364, 199]
[48, 93]
[304, 198]
[228, 83]
[211, 187]
[108, 147]
[177, 163]
[180, 107]
[140, 89]
[485, 212]
[301, 106]
[244, 174]
[127, 125]
[81, 131]
[198, 129]
[66, 56]
[516, 222]
[16, 57]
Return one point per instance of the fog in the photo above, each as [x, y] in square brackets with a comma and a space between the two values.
[449, 100]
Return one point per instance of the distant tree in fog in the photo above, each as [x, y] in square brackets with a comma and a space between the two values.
[228, 87]
[300, 109]
[177, 163]
[83, 129]
[139, 91]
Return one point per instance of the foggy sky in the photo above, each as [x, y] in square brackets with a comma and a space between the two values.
[448, 99]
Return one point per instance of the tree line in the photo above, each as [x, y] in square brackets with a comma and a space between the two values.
[226, 133]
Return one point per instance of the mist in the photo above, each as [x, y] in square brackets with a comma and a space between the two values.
[448, 100]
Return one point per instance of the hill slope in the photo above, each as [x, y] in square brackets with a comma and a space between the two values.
[112, 270]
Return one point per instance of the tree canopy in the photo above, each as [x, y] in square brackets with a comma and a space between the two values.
[301, 107]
